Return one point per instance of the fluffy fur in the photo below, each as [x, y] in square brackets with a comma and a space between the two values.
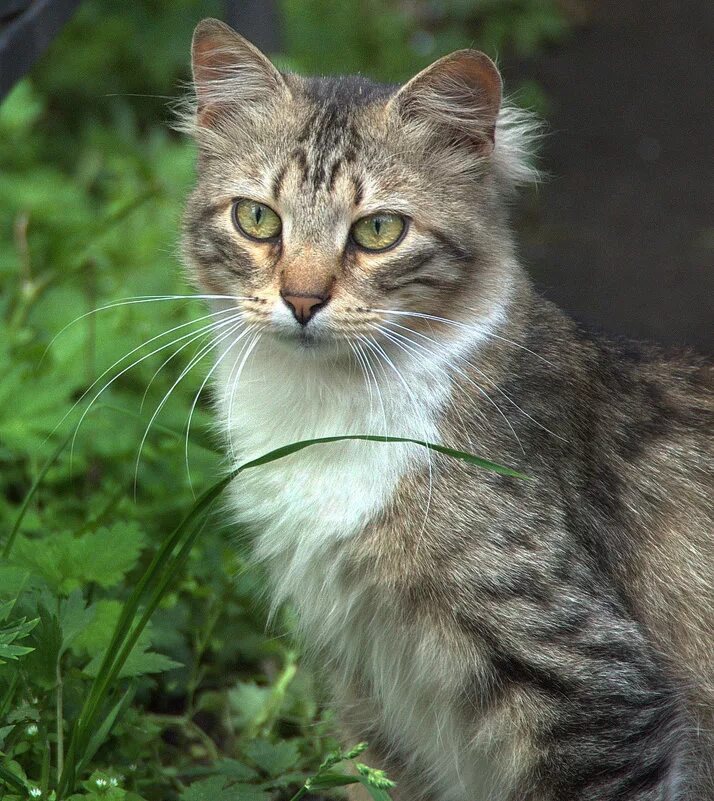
[493, 639]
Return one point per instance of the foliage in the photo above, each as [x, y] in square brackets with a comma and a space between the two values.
[209, 703]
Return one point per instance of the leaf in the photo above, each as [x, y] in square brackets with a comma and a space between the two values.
[13, 632]
[95, 638]
[233, 769]
[12, 779]
[47, 641]
[247, 701]
[12, 580]
[272, 758]
[102, 732]
[217, 788]
[31, 493]
[328, 779]
[67, 562]
[75, 617]
[138, 663]
[376, 792]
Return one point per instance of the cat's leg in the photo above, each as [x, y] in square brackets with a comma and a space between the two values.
[360, 718]
[618, 737]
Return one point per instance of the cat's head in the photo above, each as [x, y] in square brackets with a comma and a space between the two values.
[323, 202]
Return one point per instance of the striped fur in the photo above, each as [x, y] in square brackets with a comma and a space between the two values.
[493, 639]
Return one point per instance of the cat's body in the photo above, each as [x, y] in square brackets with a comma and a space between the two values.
[493, 638]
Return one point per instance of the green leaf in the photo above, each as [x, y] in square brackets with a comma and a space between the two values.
[235, 770]
[272, 758]
[75, 617]
[102, 732]
[12, 632]
[377, 793]
[41, 664]
[247, 701]
[138, 663]
[328, 779]
[94, 640]
[217, 788]
[12, 779]
[67, 562]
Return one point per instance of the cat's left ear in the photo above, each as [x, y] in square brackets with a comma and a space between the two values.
[228, 71]
[460, 94]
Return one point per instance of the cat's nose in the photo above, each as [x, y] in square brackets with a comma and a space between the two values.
[304, 306]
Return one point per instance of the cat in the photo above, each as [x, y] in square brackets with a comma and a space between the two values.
[492, 638]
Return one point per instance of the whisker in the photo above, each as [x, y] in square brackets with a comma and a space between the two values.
[126, 369]
[425, 434]
[200, 390]
[486, 333]
[420, 355]
[479, 389]
[135, 300]
[243, 356]
[358, 360]
[201, 335]
[368, 363]
[192, 363]
[490, 381]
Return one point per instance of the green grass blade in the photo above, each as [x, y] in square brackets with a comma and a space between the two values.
[12, 780]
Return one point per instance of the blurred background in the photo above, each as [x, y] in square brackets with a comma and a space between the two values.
[92, 181]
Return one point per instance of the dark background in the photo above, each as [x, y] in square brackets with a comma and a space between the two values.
[622, 232]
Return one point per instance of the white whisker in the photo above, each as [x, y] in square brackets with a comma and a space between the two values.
[135, 300]
[467, 378]
[192, 363]
[486, 378]
[129, 367]
[227, 350]
[465, 326]
[371, 341]
[233, 384]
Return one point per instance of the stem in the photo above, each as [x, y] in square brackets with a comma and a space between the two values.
[59, 712]
[31, 494]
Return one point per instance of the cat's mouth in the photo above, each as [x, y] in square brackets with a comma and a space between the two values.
[301, 338]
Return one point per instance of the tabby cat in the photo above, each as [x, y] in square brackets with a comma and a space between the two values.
[493, 638]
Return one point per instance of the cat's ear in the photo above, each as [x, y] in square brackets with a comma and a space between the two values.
[459, 94]
[228, 71]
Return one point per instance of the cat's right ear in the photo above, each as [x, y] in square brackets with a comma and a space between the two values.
[228, 71]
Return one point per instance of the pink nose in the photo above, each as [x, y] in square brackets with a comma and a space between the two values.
[304, 306]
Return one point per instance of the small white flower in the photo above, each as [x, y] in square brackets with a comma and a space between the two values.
[31, 730]
[35, 792]
[101, 782]
[114, 781]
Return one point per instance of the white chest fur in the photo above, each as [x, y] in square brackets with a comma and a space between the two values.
[304, 504]
[305, 501]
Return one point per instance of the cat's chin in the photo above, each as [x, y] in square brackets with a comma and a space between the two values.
[306, 341]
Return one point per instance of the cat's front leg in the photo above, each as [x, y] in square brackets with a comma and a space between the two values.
[628, 744]
[360, 717]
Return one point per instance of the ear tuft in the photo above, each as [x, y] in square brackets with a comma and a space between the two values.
[460, 93]
[228, 70]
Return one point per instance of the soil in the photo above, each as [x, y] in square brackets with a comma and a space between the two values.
[621, 233]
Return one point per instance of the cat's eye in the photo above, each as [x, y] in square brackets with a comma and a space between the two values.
[256, 220]
[379, 231]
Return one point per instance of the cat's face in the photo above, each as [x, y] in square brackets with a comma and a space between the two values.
[323, 203]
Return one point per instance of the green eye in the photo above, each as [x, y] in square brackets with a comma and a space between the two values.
[256, 220]
[379, 231]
